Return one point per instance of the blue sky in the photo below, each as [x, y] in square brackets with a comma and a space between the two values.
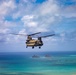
[29, 16]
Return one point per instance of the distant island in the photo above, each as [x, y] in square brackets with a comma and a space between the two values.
[35, 56]
[47, 55]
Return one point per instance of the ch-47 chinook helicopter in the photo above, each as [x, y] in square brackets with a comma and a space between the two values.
[30, 42]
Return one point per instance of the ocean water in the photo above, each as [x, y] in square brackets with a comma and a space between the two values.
[57, 63]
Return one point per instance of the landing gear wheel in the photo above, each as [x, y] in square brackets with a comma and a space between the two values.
[39, 47]
[33, 47]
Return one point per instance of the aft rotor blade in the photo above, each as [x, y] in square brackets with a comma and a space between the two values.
[47, 36]
[34, 34]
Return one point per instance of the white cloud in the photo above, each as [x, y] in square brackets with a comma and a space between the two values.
[35, 18]
[25, 7]
[42, 16]
[23, 31]
[10, 38]
[32, 24]
[69, 11]
[6, 7]
[19, 38]
[49, 7]
[28, 21]
[27, 1]
[4, 30]
[27, 17]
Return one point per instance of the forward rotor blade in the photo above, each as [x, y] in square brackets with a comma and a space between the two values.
[47, 36]
[18, 34]
[25, 34]
[34, 34]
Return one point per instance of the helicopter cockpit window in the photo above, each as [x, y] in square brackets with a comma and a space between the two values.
[29, 38]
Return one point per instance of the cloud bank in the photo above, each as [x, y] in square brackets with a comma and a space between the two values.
[28, 16]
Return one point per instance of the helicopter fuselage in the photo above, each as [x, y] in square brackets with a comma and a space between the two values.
[34, 43]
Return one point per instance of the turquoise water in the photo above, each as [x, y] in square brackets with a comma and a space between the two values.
[59, 63]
